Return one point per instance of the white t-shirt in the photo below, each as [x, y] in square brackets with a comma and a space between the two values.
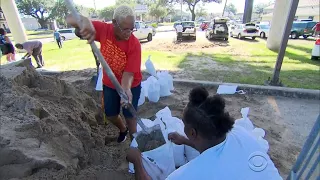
[179, 28]
[239, 157]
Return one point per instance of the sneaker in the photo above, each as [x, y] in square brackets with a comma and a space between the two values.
[122, 136]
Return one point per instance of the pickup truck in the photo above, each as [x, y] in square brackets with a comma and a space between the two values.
[142, 31]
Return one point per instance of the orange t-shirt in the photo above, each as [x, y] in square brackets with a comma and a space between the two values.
[121, 56]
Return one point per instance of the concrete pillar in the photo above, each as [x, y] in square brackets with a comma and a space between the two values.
[279, 17]
[15, 24]
[247, 11]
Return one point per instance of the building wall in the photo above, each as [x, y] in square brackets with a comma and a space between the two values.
[30, 23]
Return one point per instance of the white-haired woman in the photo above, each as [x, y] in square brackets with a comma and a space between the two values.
[122, 52]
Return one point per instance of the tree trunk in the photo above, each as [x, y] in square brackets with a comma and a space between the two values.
[193, 15]
[43, 23]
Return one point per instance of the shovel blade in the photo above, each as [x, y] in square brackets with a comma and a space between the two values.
[149, 134]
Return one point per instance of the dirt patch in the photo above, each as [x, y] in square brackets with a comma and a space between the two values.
[59, 122]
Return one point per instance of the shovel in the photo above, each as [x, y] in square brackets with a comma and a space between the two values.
[147, 134]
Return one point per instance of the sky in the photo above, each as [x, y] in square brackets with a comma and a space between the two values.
[210, 7]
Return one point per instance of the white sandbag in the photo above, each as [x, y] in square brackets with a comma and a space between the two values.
[147, 123]
[164, 87]
[264, 144]
[165, 112]
[171, 124]
[258, 132]
[245, 121]
[168, 77]
[150, 67]
[142, 97]
[190, 153]
[99, 86]
[153, 89]
[159, 162]
[145, 87]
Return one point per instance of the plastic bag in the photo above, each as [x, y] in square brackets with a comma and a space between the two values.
[150, 67]
[142, 97]
[153, 89]
[245, 121]
[159, 162]
[164, 87]
[145, 87]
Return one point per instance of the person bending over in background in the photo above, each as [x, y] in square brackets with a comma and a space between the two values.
[226, 152]
[6, 46]
[57, 37]
[122, 51]
[33, 48]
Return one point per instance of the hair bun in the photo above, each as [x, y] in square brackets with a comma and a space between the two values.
[215, 105]
[198, 95]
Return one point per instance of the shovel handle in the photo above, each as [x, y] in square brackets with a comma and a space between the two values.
[97, 52]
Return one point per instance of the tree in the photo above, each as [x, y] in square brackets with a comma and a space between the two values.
[259, 8]
[157, 11]
[39, 9]
[231, 8]
[106, 13]
[130, 3]
[192, 5]
[201, 12]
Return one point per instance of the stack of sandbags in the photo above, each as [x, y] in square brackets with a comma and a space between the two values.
[159, 84]
[258, 133]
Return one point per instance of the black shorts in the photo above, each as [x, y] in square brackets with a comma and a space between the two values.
[112, 101]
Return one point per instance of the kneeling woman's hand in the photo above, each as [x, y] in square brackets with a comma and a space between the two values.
[177, 138]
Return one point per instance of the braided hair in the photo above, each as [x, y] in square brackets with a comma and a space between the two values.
[207, 114]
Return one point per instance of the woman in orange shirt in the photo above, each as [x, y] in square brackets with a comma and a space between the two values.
[122, 51]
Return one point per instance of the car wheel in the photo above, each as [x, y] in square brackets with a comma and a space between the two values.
[253, 38]
[231, 34]
[305, 37]
[149, 37]
[263, 35]
[194, 38]
[314, 57]
[239, 36]
[63, 38]
[226, 39]
[294, 35]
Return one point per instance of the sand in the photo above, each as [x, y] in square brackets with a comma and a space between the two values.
[52, 128]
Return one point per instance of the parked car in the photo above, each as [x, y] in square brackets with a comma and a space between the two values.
[302, 28]
[154, 30]
[67, 34]
[315, 54]
[142, 31]
[263, 30]
[245, 30]
[204, 25]
[189, 29]
[218, 29]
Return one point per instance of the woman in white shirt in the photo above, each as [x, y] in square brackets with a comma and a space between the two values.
[226, 151]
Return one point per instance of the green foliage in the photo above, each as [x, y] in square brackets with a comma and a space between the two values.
[231, 8]
[107, 13]
[154, 25]
[39, 9]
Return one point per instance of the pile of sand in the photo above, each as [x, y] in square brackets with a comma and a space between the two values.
[46, 123]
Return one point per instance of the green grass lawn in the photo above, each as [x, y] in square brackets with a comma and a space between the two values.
[257, 63]
[252, 57]
[36, 34]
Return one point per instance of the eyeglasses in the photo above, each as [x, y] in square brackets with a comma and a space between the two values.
[124, 31]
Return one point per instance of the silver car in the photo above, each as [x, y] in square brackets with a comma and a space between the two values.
[263, 30]
[245, 30]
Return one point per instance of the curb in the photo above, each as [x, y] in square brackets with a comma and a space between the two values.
[259, 90]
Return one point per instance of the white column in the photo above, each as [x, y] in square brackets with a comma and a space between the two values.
[280, 14]
[15, 24]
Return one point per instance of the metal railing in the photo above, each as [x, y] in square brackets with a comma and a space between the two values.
[307, 164]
